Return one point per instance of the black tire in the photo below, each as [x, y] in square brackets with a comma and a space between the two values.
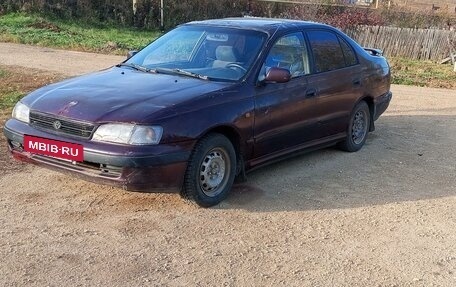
[358, 128]
[210, 172]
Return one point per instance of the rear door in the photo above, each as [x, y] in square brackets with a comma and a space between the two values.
[336, 77]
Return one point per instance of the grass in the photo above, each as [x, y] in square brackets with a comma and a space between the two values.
[9, 99]
[422, 73]
[16, 82]
[8, 95]
[37, 30]
[3, 73]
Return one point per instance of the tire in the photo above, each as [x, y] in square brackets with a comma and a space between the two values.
[210, 172]
[358, 128]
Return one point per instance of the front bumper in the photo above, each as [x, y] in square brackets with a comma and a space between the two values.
[159, 168]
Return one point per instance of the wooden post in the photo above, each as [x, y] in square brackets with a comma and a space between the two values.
[134, 6]
[162, 16]
[453, 58]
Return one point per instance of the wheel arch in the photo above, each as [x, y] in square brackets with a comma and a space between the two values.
[234, 137]
[370, 103]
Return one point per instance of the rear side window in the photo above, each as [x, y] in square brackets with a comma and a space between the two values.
[350, 56]
[328, 54]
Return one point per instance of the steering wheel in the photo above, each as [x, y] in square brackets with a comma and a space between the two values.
[237, 66]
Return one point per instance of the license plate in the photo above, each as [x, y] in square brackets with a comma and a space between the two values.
[53, 148]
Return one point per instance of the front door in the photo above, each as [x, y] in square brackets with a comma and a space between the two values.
[284, 114]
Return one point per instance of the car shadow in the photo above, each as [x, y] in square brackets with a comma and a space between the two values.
[407, 158]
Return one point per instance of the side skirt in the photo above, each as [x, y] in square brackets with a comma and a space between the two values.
[296, 150]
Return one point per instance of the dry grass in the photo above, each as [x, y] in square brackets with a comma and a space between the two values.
[15, 82]
[422, 73]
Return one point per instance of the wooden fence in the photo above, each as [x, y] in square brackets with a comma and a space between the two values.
[418, 44]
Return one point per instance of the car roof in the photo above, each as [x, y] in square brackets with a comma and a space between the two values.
[268, 25]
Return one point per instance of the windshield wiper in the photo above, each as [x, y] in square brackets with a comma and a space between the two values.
[179, 72]
[135, 66]
[163, 71]
[190, 74]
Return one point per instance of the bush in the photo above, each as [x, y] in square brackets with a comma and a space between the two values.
[120, 12]
[338, 16]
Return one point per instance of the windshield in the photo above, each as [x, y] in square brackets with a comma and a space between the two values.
[211, 53]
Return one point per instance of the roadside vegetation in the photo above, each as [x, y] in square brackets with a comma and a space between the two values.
[422, 73]
[146, 13]
[16, 82]
[65, 34]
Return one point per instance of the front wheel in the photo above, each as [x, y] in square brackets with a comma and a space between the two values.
[358, 128]
[210, 172]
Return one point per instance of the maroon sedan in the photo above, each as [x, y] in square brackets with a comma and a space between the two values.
[205, 103]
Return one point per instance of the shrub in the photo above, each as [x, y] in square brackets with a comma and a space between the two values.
[120, 12]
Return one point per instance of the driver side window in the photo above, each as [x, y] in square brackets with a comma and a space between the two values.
[289, 52]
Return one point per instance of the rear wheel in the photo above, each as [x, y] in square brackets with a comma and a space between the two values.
[358, 128]
[210, 171]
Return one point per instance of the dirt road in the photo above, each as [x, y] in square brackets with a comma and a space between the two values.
[68, 63]
[384, 216]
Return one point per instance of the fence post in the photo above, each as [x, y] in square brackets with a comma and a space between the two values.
[134, 6]
[162, 16]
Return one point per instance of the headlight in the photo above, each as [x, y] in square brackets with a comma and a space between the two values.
[146, 135]
[21, 112]
[128, 134]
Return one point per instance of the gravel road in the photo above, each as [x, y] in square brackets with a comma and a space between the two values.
[384, 216]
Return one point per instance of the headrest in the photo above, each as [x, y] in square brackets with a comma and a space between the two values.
[225, 53]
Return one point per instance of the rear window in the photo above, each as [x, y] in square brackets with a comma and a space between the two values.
[349, 54]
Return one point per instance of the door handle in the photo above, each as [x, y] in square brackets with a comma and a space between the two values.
[357, 82]
[311, 93]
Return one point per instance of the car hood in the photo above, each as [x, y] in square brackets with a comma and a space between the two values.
[119, 95]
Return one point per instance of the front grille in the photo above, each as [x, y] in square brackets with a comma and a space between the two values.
[61, 125]
[94, 169]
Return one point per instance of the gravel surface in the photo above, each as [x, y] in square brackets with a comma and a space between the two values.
[384, 216]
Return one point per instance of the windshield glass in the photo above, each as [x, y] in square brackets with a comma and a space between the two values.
[212, 53]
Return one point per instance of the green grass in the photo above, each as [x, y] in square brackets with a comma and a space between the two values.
[9, 99]
[8, 95]
[422, 73]
[37, 30]
[3, 73]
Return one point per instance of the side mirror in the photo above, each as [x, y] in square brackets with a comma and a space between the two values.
[131, 54]
[277, 75]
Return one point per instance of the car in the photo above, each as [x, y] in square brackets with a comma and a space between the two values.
[204, 104]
